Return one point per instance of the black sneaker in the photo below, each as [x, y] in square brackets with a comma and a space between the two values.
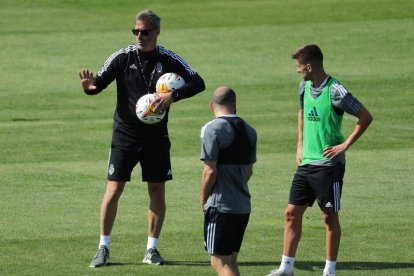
[101, 258]
[152, 256]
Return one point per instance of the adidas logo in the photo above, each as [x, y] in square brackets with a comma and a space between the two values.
[169, 172]
[313, 115]
[328, 205]
[133, 66]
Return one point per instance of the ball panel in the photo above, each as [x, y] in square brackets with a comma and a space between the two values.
[145, 110]
[169, 82]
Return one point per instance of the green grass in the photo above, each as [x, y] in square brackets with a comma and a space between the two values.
[55, 139]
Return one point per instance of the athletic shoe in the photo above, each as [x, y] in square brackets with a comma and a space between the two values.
[278, 272]
[326, 273]
[152, 256]
[101, 258]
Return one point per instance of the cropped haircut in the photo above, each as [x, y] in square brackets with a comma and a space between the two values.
[224, 96]
[310, 53]
[154, 19]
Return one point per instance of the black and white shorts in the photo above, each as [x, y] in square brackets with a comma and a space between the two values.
[223, 233]
[153, 156]
[323, 183]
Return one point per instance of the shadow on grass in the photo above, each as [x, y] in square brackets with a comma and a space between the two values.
[314, 266]
[307, 266]
[179, 263]
[189, 263]
[119, 264]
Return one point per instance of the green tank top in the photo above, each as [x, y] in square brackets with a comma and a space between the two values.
[321, 124]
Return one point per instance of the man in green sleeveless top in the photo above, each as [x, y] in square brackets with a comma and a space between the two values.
[320, 155]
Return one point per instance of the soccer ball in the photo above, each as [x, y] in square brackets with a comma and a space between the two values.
[169, 82]
[145, 110]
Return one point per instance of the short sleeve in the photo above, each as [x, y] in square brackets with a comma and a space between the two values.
[344, 100]
[209, 143]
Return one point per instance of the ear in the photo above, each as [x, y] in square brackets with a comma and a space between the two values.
[211, 105]
[309, 67]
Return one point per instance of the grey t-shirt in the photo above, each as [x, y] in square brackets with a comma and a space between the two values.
[342, 101]
[230, 193]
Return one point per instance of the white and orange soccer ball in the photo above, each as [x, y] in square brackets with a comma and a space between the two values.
[145, 110]
[169, 82]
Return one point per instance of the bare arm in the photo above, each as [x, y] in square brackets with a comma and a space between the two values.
[207, 181]
[365, 119]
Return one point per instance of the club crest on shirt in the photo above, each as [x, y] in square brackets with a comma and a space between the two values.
[158, 67]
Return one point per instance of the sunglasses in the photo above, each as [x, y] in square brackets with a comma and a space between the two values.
[144, 32]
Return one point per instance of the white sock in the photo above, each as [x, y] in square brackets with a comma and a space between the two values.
[330, 266]
[105, 240]
[287, 263]
[152, 243]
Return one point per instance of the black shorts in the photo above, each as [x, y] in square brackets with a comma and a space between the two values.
[323, 183]
[153, 156]
[223, 233]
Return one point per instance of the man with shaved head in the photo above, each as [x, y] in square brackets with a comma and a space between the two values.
[228, 149]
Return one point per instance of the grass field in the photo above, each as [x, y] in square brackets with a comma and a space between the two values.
[55, 140]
